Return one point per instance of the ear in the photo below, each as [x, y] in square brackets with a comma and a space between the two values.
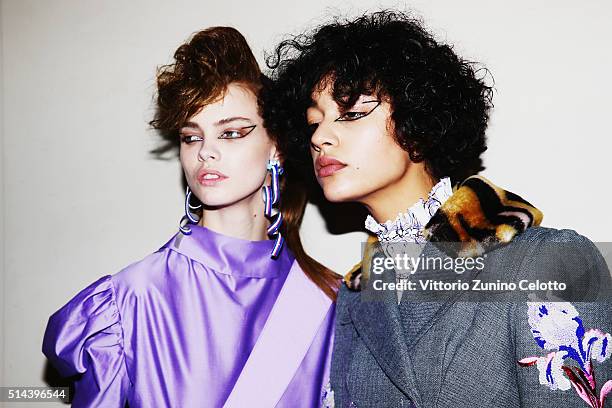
[276, 155]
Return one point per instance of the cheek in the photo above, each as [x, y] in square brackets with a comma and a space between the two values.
[187, 158]
[249, 157]
[384, 163]
[376, 160]
[373, 151]
[247, 164]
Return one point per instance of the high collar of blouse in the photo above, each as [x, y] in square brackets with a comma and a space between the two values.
[229, 255]
[409, 226]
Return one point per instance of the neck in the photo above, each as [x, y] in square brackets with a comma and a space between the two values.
[385, 204]
[244, 219]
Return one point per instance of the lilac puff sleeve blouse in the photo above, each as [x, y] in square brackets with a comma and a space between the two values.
[176, 328]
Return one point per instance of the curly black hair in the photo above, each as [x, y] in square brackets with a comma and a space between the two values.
[440, 105]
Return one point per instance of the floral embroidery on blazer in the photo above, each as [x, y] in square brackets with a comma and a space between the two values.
[558, 327]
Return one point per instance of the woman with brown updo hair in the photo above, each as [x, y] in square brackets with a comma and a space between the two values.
[231, 311]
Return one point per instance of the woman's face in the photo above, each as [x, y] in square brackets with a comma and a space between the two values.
[225, 148]
[354, 153]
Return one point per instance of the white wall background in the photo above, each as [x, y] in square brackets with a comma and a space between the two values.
[81, 198]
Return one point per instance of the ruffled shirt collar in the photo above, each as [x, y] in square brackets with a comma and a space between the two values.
[409, 226]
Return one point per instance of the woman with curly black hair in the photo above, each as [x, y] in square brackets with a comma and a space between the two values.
[387, 116]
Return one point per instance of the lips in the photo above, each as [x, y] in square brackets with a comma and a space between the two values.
[326, 166]
[209, 177]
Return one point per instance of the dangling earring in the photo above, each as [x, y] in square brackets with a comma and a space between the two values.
[188, 218]
[271, 197]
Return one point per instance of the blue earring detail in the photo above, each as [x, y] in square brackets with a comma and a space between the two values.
[188, 218]
[271, 197]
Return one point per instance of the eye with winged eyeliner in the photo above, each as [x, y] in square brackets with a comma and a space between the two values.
[239, 134]
[349, 116]
[228, 134]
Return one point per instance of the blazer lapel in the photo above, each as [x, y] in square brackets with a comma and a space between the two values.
[378, 323]
[417, 315]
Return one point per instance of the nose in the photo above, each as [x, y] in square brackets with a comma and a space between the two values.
[323, 136]
[208, 151]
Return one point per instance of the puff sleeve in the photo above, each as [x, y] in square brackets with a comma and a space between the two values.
[85, 338]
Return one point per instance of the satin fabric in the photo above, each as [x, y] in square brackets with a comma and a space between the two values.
[176, 328]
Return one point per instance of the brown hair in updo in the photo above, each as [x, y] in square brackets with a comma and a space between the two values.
[203, 69]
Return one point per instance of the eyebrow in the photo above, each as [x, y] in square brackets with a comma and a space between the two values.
[315, 105]
[221, 122]
[225, 121]
[190, 125]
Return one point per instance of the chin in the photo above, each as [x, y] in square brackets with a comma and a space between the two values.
[335, 194]
[214, 199]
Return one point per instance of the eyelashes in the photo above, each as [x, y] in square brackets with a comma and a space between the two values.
[189, 139]
[228, 134]
[237, 134]
[349, 116]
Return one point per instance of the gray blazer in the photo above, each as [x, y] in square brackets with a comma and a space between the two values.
[455, 353]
